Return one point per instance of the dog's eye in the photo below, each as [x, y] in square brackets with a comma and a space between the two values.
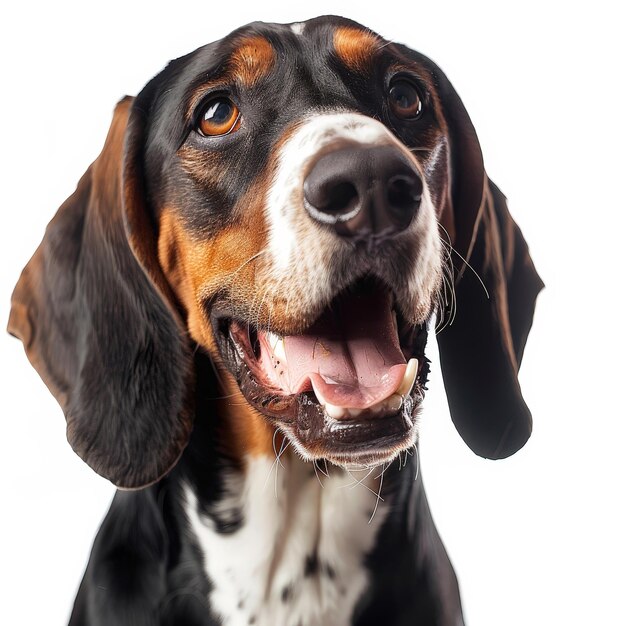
[404, 99]
[219, 117]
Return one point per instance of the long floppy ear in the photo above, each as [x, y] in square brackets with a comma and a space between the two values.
[95, 316]
[481, 350]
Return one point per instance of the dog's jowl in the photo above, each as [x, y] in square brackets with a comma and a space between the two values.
[232, 310]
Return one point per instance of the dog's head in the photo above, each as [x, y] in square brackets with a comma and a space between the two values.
[297, 202]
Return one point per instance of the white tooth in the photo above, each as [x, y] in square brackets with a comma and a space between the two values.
[410, 374]
[355, 412]
[336, 412]
[272, 339]
[277, 346]
[394, 402]
[279, 350]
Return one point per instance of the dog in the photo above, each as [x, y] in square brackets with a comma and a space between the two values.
[232, 310]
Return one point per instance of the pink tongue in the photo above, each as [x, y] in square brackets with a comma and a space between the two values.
[351, 355]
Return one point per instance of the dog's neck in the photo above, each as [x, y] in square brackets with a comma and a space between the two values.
[286, 542]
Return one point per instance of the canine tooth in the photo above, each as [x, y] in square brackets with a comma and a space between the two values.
[408, 381]
[277, 344]
[336, 412]
[272, 339]
[279, 350]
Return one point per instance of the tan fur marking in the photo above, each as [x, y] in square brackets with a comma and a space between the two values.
[355, 47]
[201, 270]
[252, 60]
[249, 63]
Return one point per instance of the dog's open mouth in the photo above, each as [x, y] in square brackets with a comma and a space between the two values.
[348, 388]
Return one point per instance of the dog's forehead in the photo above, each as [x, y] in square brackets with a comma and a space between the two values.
[253, 51]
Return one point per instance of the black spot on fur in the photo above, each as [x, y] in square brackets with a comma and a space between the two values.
[311, 565]
[287, 593]
[228, 522]
[329, 571]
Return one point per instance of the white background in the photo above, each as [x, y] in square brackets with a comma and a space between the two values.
[535, 539]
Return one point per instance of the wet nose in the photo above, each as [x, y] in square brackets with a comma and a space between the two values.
[364, 192]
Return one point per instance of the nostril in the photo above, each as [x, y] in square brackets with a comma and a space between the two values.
[404, 192]
[331, 196]
[341, 197]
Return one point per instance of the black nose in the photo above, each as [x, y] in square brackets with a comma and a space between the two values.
[365, 193]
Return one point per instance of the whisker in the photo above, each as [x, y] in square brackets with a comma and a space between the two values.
[269, 473]
[274, 442]
[449, 307]
[378, 498]
[463, 259]
[387, 43]
[283, 447]
[230, 395]
[252, 258]
[385, 468]
[356, 482]
[316, 474]
[226, 280]
[278, 462]
[321, 470]
[217, 373]
[473, 270]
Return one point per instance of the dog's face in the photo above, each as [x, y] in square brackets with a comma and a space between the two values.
[295, 176]
[286, 190]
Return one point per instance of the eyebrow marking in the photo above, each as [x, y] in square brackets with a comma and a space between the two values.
[356, 47]
[252, 60]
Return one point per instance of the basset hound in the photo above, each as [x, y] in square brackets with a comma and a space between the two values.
[232, 310]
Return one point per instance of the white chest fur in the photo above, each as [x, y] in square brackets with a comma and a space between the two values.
[298, 558]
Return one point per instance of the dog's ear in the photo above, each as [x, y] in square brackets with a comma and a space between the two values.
[481, 348]
[482, 344]
[97, 321]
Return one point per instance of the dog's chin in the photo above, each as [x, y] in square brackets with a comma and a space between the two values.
[348, 389]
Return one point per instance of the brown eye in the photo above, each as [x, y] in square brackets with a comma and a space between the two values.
[404, 99]
[220, 117]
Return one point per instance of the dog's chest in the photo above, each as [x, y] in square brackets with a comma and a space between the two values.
[298, 557]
